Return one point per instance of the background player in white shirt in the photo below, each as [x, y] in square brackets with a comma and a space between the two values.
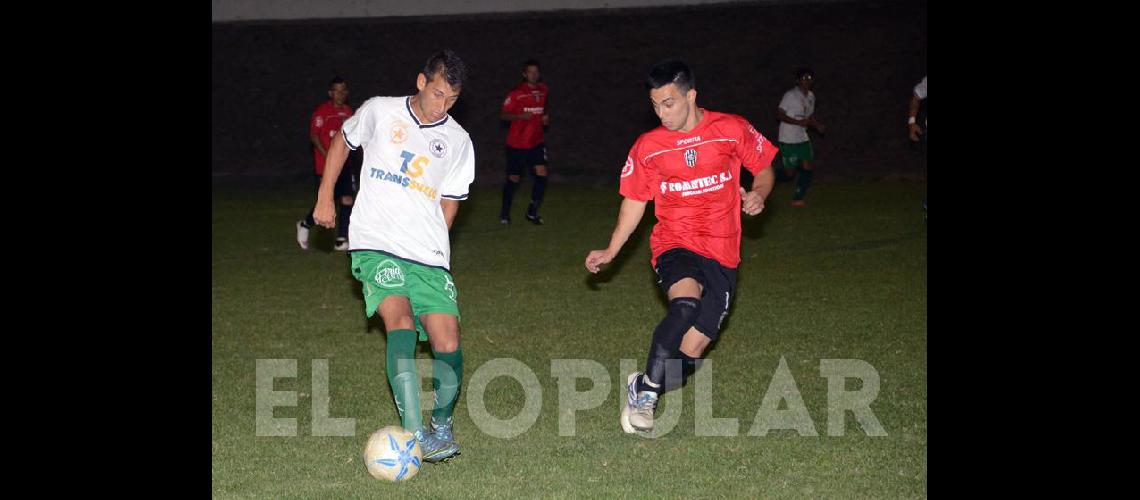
[797, 113]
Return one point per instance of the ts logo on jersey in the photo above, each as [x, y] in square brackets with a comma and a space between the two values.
[627, 170]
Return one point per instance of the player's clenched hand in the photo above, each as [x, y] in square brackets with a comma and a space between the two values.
[598, 258]
[546, 119]
[751, 202]
[325, 214]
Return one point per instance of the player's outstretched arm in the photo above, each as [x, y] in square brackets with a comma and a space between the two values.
[325, 212]
[629, 216]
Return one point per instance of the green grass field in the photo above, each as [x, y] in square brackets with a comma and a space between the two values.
[844, 278]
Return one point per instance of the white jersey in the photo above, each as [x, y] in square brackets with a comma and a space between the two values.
[408, 167]
[798, 106]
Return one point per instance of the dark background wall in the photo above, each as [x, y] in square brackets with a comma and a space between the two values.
[269, 75]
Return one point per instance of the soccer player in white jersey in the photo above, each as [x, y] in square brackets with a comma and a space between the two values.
[797, 114]
[418, 165]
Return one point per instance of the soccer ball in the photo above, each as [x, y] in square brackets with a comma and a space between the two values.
[393, 454]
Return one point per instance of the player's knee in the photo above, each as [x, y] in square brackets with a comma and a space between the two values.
[514, 178]
[682, 315]
[445, 345]
[540, 170]
[399, 323]
[685, 309]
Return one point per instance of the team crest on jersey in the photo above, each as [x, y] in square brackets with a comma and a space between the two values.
[438, 148]
[627, 170]
[691, 157]
[320, 122]
[398, 133]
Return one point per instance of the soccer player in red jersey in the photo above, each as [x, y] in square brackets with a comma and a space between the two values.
[525, 108]
[690, 168]
[323, 126]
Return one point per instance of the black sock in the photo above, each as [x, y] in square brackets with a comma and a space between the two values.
[342, 223]
[308, 221]
[803, 180]
[537, 193]
[508, 195]
[667, 342]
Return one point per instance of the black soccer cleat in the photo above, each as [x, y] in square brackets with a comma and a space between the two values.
[534, 219]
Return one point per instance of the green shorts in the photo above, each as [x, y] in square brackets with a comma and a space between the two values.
[795, 154]
[429, 289]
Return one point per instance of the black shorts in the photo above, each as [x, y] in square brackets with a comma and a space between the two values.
[521, 160]
[348, 183]
[718, 285]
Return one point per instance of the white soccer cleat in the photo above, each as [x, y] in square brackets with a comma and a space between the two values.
[302, 235]
[637, 414]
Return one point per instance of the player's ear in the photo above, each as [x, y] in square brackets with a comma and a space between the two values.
[691, 95]
[421, 81]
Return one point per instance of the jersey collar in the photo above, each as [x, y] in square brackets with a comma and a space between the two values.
[408, 104]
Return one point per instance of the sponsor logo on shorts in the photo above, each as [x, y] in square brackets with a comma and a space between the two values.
[449, 288]
[389, 274]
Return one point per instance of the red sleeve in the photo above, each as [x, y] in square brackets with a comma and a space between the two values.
[638, 180]
[315, 122]
[510, 104]
[756, 152]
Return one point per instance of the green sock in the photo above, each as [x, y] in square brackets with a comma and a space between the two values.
[803, 180]
[401, 367]
[446, 383]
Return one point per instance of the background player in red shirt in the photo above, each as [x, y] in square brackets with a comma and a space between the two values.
[525, 108]
[690, 168]
[323, 126]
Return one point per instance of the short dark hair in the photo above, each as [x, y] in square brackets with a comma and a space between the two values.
[801, 72]
[446, 61]
[670, 71]
[530, 62]
[336, 80]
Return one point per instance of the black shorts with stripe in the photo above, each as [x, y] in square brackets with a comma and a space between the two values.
[718, 285]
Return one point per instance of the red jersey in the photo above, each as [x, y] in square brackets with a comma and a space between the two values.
[525, 134]
[326, 121]
[694, 180]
